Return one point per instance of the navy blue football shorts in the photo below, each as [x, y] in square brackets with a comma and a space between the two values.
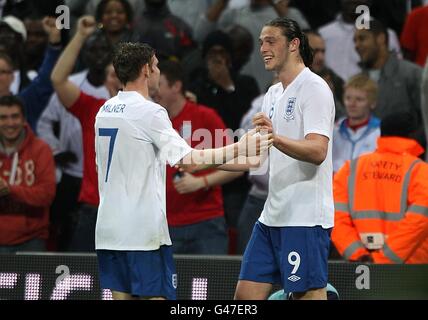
[139, 273]
[295, 257]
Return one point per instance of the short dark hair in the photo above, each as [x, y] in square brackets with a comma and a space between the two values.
[11, 100]
[173, 72]
[291, 30]
[129, 58]
[377, 28]
[399, 124]
[101, 8]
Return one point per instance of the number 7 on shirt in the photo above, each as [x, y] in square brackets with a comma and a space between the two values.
[112, 133]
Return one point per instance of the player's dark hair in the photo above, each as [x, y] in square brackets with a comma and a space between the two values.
[291, 30]
[173, 72]
[10, 101]
[129, 58]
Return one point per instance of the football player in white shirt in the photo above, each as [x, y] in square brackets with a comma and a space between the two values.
[290, 241]
[134, 139]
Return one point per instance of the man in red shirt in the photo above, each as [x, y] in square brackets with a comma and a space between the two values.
[27, 181]
[84, 108]
[194, 203]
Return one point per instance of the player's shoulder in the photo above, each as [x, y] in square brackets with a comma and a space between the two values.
[313, 81]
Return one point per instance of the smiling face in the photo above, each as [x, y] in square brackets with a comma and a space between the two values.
[114, 18]
[367, 45]
[12, 122]
[273, 48]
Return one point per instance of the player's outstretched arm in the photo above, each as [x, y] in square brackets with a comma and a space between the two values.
[251, 145]
[68, 92]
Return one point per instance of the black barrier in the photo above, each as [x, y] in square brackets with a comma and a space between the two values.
[72, 276]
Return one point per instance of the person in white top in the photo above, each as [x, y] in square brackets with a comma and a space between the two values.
[290, 242]
[357, 133]
[134, 139]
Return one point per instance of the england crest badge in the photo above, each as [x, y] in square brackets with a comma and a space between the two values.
[289, 111]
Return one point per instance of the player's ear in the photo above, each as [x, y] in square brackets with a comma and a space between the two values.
[146, 70]
[294, 45]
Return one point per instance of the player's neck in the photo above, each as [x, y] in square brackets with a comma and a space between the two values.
[138, 87]
[289, 72]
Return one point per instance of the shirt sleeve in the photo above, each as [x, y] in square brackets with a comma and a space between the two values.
[318, 110]
[171, 146]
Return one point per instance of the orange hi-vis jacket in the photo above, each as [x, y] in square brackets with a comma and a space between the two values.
[381, 204]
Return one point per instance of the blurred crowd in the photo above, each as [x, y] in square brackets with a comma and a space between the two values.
[212, 77]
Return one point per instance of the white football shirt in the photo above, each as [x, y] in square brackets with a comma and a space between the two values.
[133, 140]
[300, 193]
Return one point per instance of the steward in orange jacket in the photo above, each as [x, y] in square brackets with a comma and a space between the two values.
[381, 200]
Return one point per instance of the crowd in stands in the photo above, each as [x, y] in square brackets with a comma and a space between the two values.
[213, 78]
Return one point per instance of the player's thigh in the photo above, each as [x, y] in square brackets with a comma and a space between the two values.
[304, 256]
[117, 295]
[250, 290]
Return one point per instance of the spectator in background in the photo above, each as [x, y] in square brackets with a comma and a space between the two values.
[12, 38]
[194, 203]
[218, 85]
[169, 35]
[35, 45]
[381, 199]
[27, 181]
[341, 55]
[252, 17]
[414, 38]
[317, 12]
[242, 46]
[399, 81]
[35, 95]
[189, 10]
[24, 8]
[317, 43]
[356, 133]
[230, 94]
[114, 18]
